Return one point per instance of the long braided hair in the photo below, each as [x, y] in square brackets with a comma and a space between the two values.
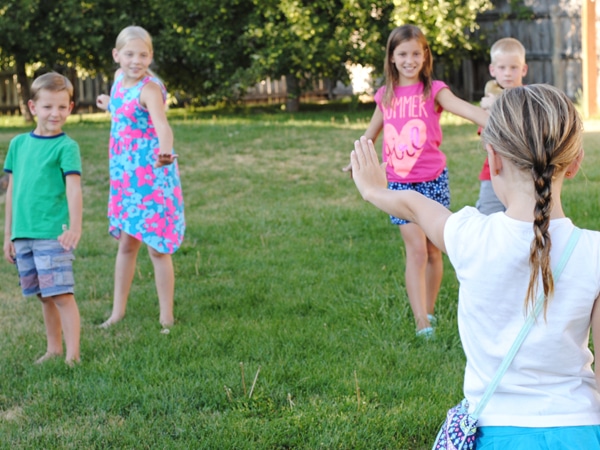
[537, 128]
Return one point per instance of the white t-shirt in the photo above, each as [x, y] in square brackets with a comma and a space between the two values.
[550, 382]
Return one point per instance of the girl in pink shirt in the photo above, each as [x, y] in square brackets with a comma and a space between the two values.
[408, 111]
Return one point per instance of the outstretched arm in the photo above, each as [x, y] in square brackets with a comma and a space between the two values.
[375, 125]
[369, 177]
[9, 248]
[451, 103]
[152, 98]
[102, 102]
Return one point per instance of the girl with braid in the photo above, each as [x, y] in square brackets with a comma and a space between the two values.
[548, 397]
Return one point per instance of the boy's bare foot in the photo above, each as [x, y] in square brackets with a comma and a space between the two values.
[47, 356]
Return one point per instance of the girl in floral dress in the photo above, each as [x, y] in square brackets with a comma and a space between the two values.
[145, 202]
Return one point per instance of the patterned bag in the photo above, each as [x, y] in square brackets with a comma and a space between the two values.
[458, 430]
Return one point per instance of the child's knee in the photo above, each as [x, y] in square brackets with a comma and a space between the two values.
[434, 254]
[129, 244]
[62, 300]
[45, 300]
[155, 254]
[417, 255]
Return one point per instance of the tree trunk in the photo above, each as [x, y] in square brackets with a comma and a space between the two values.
[292, 103]
[24, 91]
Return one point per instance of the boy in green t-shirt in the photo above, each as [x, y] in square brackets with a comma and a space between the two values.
[43, 212]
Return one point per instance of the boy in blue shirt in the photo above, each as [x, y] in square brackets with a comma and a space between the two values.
[44, 212]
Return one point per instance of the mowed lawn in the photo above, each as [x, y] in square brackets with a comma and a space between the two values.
[293, 327]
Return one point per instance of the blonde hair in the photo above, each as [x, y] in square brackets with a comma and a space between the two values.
[537, 128]
[51, 81]
[131, 33]
[392, 76]
[507, 45]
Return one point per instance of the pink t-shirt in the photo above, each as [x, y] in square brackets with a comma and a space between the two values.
[412, 134]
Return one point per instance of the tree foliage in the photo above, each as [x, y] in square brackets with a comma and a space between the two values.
[306, 40]
[64, 36]
[199, 47]
[45, 34]
[448, 24]
[210, 50]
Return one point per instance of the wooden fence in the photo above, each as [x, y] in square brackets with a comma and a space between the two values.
[275, 91]
[87, 89]
[9, 97]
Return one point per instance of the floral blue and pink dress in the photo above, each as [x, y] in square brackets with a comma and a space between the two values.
[144, 202]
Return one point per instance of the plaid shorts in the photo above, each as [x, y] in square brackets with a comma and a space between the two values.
[438, 190]
[44, 267]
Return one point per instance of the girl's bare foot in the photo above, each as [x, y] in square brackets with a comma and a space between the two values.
[108, 323]
[166, 325]
[72, 362]
[47, 356]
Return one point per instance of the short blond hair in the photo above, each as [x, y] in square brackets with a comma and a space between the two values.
[507, 45]
[51, 81]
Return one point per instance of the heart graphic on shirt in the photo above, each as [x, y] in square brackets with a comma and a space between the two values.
[402, 150]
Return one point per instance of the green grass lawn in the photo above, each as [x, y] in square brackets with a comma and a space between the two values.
[293, 327]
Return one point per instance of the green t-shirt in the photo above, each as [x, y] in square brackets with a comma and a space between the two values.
[39, 165]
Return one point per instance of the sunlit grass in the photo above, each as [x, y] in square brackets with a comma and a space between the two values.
[285, 277]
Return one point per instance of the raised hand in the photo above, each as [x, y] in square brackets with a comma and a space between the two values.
[367, 173]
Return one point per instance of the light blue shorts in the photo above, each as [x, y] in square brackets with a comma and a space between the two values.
[44, 267]
[555, 438]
